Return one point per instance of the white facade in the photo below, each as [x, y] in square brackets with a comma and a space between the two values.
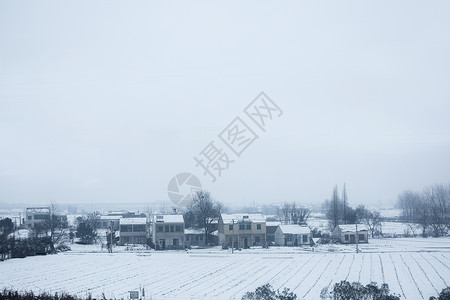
[292, 235]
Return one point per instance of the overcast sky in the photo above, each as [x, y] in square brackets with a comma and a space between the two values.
[105, 101]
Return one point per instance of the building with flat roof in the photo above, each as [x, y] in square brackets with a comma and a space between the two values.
[133, 231]
[168, 232]
[36, 215]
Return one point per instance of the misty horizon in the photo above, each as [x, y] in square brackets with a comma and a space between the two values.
[95, 109]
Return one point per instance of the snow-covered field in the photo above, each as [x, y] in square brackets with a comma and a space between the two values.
[414, 268]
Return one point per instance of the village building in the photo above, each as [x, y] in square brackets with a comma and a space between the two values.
[292, 235]
[168, 232]
[242, 230]
[108, 222]
[346, 234]
[36, 215]
[133, 231]
[271, 227]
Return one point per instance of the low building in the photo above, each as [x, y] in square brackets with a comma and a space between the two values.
[133, 231]
[168, 232]
[346, 234]
[36, 215]
[107, 222]
[242, 230]
[292, 235]
[194, 237]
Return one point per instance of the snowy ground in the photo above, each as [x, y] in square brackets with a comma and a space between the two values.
[414, 268]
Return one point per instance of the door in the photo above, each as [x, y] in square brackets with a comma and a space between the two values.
[162, 243]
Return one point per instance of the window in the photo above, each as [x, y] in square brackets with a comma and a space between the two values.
[166, 228]
[241, 227]
[258, 226]
[305, 238]
[230, 227]
[361, 237]
[346, 237]
[289, 238]
[139, 228]
[176, 242]
[187, 237]
[201, 237]
[257, 239]
[125, 228]
[159, 228]
[30, 217]
[41, 217]
[172, 228]
[178, 228]
[248, 226]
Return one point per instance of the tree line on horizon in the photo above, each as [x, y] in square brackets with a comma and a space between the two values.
[429, 208]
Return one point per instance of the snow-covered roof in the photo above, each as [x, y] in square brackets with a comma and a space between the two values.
[133, 221]
[352, 227]
[228, 218]
[294, 229]
[168, 219]
[45, 210]
[193, 231]
[111, 217]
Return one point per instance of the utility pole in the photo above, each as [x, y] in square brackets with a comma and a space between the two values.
[232, 240]
[357, 238]
[111, 240]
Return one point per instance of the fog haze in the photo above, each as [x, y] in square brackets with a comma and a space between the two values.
[107, 101]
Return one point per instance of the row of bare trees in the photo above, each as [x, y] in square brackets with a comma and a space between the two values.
[293, 213]
[429, 208]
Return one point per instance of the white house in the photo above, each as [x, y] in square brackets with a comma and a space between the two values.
[168, 232]
[242, 230]
[36, 215]
[292, 235]
[133, 231]
[346, 234]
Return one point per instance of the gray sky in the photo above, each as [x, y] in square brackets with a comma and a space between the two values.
[105, 101]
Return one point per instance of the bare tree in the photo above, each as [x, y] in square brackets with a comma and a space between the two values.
[373, 221]
[285, 213]
[299, 214]
[205, 211]
[55, 228]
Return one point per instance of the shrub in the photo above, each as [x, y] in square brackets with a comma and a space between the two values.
[444, 295]
[266, 292]
[345, 290]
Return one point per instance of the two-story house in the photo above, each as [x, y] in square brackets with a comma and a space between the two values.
[133, 231]
[36, 215]
[168, 232]
[242, 230]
